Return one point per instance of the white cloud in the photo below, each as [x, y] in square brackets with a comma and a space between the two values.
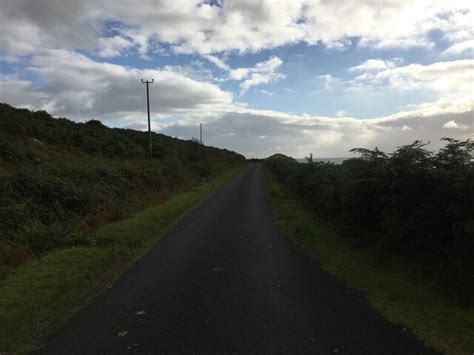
[465, 47]
[453, 125]
[238, 74]
[113, 46]
[443, 77]
[297, 135]
[216, 61]
[261, 73]
[373, 65]
[21, 93]
[269, 66]
[246, 25]
[329, 82]
[259, 79]
[77, 86]
[341, 113]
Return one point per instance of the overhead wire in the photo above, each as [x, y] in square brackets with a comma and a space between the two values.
[66, 23]
[119, 50]
[80, 17]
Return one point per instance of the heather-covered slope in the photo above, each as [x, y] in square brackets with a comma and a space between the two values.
[59, 179]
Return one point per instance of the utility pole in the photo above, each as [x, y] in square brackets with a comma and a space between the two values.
[200, 133]
[148, 110]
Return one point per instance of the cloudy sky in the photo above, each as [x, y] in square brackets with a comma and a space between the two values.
[262, 76]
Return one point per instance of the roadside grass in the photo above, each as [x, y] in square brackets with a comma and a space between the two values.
[398, 294]
[42, 294]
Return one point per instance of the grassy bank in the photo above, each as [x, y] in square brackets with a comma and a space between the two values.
[40, 295]
[393, 289]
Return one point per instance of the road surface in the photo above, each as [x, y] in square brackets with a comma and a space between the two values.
[227, 279]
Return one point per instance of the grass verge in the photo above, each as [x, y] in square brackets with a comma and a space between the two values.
[42, 294]
[399, 295]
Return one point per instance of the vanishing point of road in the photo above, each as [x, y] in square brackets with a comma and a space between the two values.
[226, 279]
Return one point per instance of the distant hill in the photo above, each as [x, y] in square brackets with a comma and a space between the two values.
[279, 164]
[324, 160]
[279, 156]
[60, 179]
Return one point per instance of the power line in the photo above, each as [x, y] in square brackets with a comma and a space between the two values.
[80, 18]
[119, 50]
[65, 22]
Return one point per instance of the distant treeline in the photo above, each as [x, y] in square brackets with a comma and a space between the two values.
[59, 179]
[411, 203]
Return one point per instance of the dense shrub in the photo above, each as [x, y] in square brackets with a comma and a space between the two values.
[63, 179]
[9, 152]
[416, 202]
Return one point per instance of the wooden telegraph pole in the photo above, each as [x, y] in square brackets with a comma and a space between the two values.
[148, 110]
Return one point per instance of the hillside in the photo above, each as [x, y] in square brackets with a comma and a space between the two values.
[60, 180]
[279, 156]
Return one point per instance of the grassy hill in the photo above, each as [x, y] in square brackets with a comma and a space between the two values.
[60, 180]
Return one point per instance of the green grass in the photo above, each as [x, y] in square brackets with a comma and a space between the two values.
[401, 296]
[42, 294]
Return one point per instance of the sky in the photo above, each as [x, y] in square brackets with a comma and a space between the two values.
[294, 77]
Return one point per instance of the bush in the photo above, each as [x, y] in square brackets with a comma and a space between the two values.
[9, 152]
[64, 179]
[416, 202]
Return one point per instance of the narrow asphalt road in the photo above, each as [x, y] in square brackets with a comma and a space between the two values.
[226, 279]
